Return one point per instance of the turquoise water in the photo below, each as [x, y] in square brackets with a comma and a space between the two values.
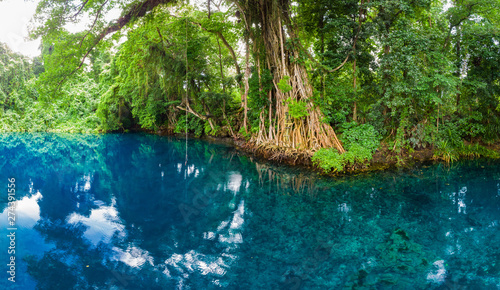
[130, 212]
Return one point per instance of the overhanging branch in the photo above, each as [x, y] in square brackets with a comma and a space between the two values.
[226, 44]
[135, 11]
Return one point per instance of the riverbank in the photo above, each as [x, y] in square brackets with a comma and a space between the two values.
[383, 159]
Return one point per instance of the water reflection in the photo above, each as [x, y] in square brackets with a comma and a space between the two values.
[101, 225]
[132, 256]
[27, 216]
[27, 210]
[128, 211]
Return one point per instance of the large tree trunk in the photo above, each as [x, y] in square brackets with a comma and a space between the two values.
[308, 132]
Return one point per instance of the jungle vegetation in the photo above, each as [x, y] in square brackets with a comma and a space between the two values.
[335, 80]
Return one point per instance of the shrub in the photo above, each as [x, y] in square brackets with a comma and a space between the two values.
[363, 135]
[360, 141]
[328, 160]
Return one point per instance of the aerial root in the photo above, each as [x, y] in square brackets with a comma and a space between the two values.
[276, 153]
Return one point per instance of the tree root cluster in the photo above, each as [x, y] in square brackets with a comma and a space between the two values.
[278, 154]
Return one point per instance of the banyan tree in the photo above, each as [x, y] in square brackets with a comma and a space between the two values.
[291, 119]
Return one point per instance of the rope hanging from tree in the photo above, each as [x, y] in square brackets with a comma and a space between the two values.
[187, 102]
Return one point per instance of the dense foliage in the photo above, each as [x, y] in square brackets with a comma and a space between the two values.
[412, 74]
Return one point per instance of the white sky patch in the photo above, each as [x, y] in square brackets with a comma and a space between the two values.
[234, 183]
[447, 5]
[84, 184]
[102, 223]
[15, 16]
[133, 256]
[27, 212]
[229, 234]
[234, 235]
[113, 14]
[193, 261]
[87, 21]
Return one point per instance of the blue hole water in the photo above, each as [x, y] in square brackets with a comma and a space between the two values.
[132, 212]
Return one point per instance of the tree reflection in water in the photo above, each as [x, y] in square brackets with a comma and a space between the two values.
[127, 211]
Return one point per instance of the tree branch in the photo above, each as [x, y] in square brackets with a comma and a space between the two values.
[189, 110]
[235, 60]
[136, 11]
[81, 8]
[226, 44]
[93, 24]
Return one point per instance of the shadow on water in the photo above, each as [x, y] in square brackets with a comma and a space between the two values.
[130, 212]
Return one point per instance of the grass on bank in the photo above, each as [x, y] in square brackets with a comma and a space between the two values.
[448, 153]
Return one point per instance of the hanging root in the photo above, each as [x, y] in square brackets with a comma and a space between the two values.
[283, 134]
[291, 156]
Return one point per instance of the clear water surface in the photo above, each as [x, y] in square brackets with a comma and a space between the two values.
[130, 212]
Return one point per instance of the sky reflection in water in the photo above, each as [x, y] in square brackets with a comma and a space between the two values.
[129, 212]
